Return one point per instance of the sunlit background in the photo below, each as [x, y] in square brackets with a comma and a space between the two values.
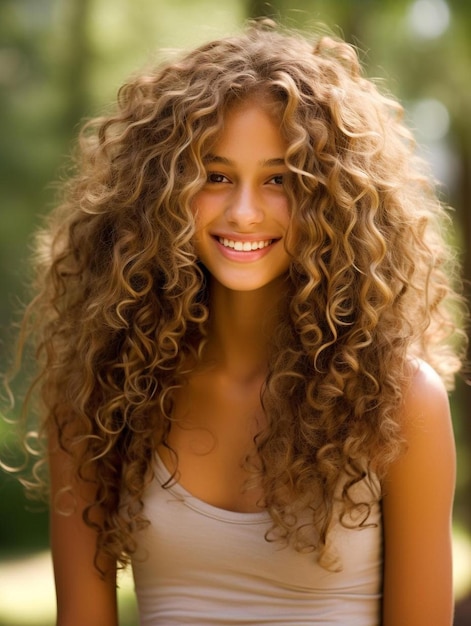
[63, 60]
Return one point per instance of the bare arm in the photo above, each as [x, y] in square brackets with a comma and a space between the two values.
[83, 596]
[417, 512]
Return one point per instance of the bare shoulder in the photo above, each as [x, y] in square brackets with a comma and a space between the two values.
[426, 428]
[426, 409]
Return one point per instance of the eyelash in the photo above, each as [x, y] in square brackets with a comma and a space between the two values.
[222, 179]
[213, 175]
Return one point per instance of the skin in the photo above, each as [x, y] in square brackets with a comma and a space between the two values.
[245, 200]
[83, 597]
[417, 511]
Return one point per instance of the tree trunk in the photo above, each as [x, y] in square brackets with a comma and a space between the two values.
[75, 69]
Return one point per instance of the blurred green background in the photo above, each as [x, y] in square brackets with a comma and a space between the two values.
[63, 60]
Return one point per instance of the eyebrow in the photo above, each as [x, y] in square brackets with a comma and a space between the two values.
[214, 158]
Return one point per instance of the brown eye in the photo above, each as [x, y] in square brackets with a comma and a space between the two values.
[215, 178]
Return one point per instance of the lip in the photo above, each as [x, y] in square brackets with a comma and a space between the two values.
[242, 256]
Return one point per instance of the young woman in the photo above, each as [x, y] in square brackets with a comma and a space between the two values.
[242, 325]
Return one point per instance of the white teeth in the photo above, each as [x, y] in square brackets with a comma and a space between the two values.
[244, 246]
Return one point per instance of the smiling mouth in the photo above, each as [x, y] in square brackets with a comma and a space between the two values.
[244, 246]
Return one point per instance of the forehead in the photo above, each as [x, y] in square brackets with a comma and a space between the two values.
[251, 125]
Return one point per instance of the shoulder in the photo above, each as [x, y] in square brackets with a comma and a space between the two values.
[423, 476]
[425, 412]
[425, 380]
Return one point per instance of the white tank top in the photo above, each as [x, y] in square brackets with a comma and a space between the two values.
[198, 564]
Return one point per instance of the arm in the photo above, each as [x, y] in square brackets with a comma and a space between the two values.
[417, 509]
[83, 597]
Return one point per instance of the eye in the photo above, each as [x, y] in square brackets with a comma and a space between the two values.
[279, 179]
[215, 178]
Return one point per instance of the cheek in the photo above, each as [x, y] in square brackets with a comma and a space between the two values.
[197, 216]
[200, 213]
[286, 217]
[292, 234]
[194, 205]
[202, 208]
[280, 202]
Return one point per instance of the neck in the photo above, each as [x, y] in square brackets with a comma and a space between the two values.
[240, 328]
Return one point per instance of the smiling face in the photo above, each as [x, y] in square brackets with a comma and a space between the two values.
[242, 212]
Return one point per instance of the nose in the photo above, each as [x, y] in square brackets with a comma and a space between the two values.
[244, 208]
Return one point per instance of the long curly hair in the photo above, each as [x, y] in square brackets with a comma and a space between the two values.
[121, 300]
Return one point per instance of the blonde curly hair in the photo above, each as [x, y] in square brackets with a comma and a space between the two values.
[121, 299]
